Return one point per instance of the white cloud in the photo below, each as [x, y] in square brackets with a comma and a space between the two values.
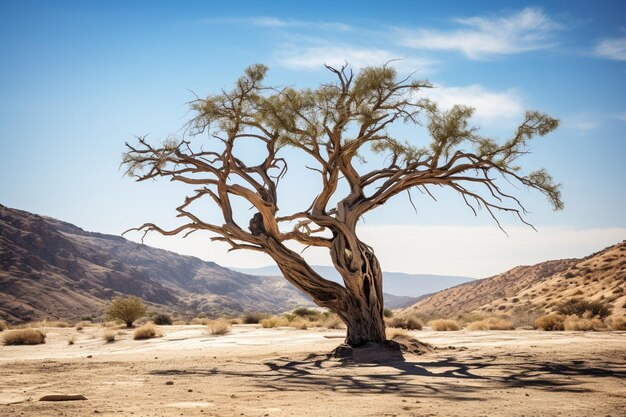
[447, 250]
[614, 48]
[490, 105]
[527, 30]
[315, 57]
[582, 123]
[620, 116]
[274, 22]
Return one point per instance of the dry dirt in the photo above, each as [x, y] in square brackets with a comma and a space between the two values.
[285, 372]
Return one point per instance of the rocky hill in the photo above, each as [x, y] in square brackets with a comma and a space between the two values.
[52, 269]
[538, 288]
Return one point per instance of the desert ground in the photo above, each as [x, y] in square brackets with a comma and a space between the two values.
[287, 372]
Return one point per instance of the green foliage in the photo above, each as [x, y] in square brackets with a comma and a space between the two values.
[387, 313]
[126, 309]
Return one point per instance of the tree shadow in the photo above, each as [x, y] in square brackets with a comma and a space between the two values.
[453, 376]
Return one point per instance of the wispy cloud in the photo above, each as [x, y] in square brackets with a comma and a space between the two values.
[620, 116]
[489, 105]
[274, 22]
[581, 123]
[315, 57]
[481, 36]
[612, 48]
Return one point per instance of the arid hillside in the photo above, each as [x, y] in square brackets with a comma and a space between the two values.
[538, 288]
[52, 269]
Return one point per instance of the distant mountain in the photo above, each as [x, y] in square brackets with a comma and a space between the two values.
[538, 288]
[394, 283]
[53, 269]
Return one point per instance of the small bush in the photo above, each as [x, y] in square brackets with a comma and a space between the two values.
[254, 317]
[147, 331]
[219, 327]
[616, 323]
[492, 323]
[407, 323]
[332, 322]
[200, 320]
[550, 322]
[272, 322]
[81, 325]
[3, 325]
[71, 340]
[395, 333]
[387, 313]
[577, 307]
[108, 336]
[162, 319]
[445, 325]
[582, 323]
[126, 309]
[299, 323]
[180, 323]
[24, 337]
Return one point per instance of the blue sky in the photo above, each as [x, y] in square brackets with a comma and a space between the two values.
[77, 79]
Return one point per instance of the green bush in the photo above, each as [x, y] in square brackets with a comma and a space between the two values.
[387, 313]
[126, 309]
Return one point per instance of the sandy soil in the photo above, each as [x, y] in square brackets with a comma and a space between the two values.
[285, 372]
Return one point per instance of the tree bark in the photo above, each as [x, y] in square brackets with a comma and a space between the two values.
[362, 309]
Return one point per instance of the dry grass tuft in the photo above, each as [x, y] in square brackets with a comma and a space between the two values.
[408, 323]
[114, 324]
[616, 323]
[583, 324]
[147, 331]
[333, 322]
[24, 337]
[180, 323]
[445, 325]
[71, 340]
[396, 332]
[108, 336]
[492, 323]
[275, 321]
[299, 323]
[550, 322]
[3, 325]
[219, 327]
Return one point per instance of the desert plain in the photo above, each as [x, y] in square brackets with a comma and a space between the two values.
[254, 371]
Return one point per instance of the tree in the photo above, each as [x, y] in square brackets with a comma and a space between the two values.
[127, 309]
[333, 125]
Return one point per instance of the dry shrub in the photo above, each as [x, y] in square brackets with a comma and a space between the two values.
[470, 317]
[445, 325]
[550, 322]
[24, 337]
[579, 307]
[200, 320]
[396, 332]
[254, 317]
[108, 336]
[333, 322]
[82, 324]
[71, 340]
[3, 325]
[272, 322]
[180, 323]
[492, 323]
[299, 323]
[45, 323]
[114, 324]
[162, 319]
[235, 320]
[583, 324]
[408, 323]
[616, 323]
[219, 327]
[147, 331]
